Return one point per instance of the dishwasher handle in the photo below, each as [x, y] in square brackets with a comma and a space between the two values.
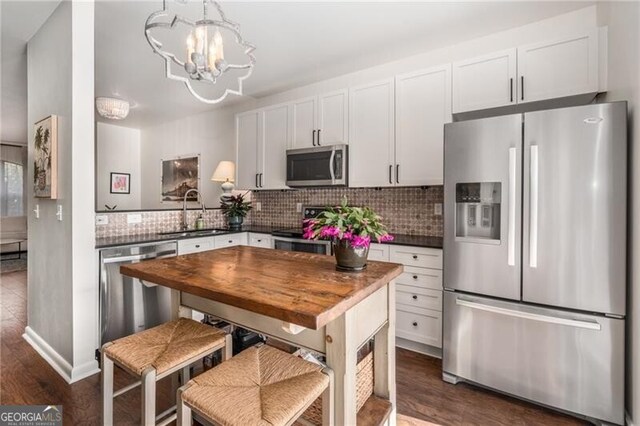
[139, 257]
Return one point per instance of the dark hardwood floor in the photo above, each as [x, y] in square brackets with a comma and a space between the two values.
[25, 378]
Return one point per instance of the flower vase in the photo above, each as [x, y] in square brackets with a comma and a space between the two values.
[348, 258]
[235, 222]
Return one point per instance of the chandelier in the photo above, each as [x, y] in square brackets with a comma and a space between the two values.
[203, 58]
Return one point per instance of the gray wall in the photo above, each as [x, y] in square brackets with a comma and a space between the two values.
[623, 20]
[62, 303]
[50, 275]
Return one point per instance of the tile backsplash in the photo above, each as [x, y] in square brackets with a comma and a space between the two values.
[404, 210]
[154, 222]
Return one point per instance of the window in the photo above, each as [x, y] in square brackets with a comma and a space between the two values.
[11, 189]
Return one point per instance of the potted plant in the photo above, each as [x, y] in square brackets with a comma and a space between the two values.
[234, 208]
[351, 230]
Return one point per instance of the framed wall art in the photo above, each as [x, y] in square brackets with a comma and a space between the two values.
[45, 158]
[179, 175]
[120, 183]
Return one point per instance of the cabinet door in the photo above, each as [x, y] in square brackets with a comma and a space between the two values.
[485, 82]
[558, 68]
[423, 106]
[304, 122]
[371, 134]
[247, 137]
[275, 141]
[333, 118]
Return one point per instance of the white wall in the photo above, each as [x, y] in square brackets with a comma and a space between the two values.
[62, 288]
[623, 19]
[210, 134]
[117, 150]
[555, 27]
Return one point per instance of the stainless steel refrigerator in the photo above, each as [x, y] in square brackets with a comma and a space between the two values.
[535, 256]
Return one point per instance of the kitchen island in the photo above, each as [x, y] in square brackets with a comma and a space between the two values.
[297, 298]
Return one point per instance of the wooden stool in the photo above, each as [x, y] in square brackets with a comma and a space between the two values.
[260, 386]
[154, 354]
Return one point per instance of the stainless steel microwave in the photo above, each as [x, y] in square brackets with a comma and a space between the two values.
[319, 166]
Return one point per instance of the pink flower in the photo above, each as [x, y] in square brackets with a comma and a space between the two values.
[359, 242]
[347, 235]
[329, 232]
[385, 238]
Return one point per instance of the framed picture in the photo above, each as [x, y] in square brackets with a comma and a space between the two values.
[45, 158]
[120, 183]
[179, 175]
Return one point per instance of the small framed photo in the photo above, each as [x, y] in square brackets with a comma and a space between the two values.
[120, 183]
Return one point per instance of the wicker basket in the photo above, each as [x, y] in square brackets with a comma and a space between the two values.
[364, 389]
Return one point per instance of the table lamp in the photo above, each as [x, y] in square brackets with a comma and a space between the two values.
[225, 173]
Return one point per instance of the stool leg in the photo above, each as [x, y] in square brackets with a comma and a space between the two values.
[227, 351]
[327, 400]
[186, 375]
[148, 397]
[184, 412]
[107, 389]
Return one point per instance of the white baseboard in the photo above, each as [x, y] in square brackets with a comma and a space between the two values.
[419, 347]
[69, 373]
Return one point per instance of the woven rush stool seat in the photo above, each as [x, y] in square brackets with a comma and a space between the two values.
[260, 386]
[154, 354]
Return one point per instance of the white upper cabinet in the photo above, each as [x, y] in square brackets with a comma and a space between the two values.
[558, 68]
[304, 112]
[247, 143]
[371, 134]
[321, 120]
[488, 81]
[423, 106]
[333, 125]
[272, 170]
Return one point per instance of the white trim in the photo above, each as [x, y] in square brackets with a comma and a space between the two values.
[56, 361]
[628, 419]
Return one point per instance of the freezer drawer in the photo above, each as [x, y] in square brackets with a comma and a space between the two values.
[570, 361]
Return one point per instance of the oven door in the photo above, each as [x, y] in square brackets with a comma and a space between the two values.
[306, 246]
[320, 166]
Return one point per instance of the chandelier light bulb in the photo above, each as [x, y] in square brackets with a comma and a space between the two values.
[217, 39]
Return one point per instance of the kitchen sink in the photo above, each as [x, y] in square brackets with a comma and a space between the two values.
[193, 233]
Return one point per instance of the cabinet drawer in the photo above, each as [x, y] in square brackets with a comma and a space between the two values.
[260, 240]
[379, 252]
[419, 297]
[417, 256]
[230, 240]
[421, 277]
[419, 325]
[195, 245]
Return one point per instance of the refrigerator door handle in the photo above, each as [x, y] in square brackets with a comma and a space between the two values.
[589, 325]
[511, 236]
[533, 209]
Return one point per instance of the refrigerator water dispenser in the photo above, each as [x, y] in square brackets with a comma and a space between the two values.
[478, 212]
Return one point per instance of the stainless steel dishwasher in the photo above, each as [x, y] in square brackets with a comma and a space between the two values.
[128, 305]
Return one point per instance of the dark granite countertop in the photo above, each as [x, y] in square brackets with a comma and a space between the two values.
[106, 242]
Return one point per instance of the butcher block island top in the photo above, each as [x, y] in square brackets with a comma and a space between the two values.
[299, 288]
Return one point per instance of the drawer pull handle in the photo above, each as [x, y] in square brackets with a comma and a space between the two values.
[415, 257]
[259, 241]
[415, 277]
[197, 245]
[230, 241]
[415, 324]
[415, 297]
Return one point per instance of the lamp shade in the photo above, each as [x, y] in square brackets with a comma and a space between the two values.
[225, 172]
[112, 108]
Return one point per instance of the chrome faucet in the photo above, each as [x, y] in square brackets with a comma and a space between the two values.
[185, 225]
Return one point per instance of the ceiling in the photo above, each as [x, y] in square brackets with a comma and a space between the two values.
[297, 43]
[20, 21]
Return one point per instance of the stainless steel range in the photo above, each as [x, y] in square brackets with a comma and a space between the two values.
[291, 239]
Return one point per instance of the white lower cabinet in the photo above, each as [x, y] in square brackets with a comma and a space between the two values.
[260, 240]
[379, 252]
[195, 245]
[230, 240]
[419, 325]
